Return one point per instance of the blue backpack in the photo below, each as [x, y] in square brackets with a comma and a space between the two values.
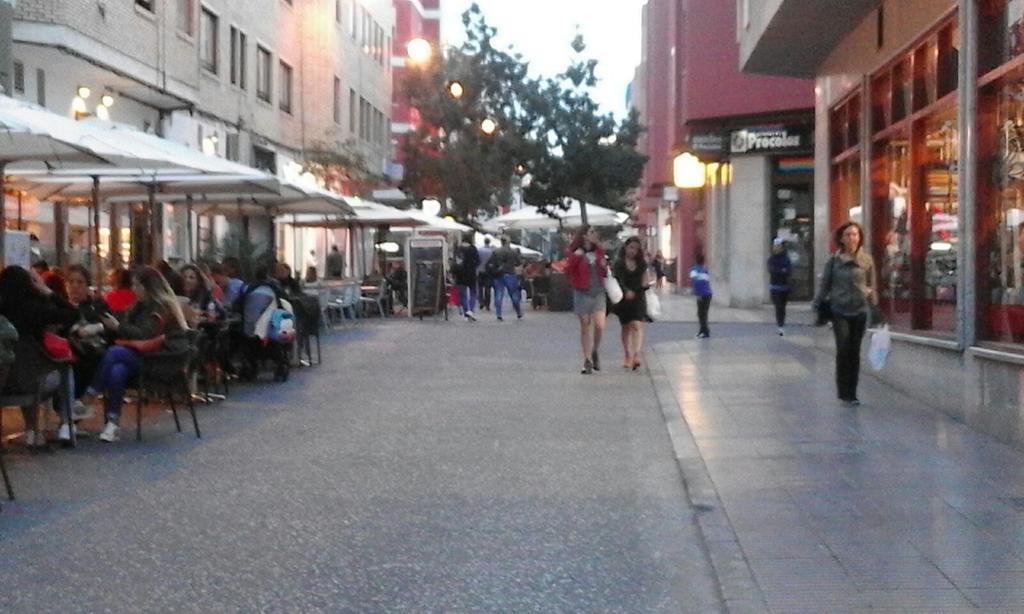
[282, 326]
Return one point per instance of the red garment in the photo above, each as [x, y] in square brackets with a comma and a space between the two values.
[218, 293]
[120, 299]
[578, 269]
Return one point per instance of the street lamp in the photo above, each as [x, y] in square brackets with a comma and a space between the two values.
[456, 90]
[488, 126]
[419, 50]
[688, 171]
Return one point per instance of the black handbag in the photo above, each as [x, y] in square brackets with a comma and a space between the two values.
[824, 311]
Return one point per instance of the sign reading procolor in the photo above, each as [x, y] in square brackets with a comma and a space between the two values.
[780, 139]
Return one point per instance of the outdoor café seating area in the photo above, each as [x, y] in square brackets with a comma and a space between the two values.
[101, 345]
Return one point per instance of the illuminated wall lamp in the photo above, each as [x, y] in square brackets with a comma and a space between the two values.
[688, 171]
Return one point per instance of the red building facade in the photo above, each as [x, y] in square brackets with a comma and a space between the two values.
[414, 19]
[689, 86]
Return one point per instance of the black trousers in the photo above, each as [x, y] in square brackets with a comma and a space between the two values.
[779, 299]
[703, 305]
[484, 285]
[849, 332]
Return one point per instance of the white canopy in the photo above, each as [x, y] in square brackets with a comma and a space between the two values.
[530, 218]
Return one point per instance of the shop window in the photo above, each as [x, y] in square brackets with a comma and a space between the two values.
[890, 185]
[1001, 210]
[1001, 26]
[844, 127]
[914, 193]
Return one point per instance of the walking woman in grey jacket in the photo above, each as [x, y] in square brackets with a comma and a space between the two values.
[848, 287]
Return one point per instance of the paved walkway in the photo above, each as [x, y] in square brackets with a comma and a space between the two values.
[425, 467]
[809, 506]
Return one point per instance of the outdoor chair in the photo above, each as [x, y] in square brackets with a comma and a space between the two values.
[24, 383]
[328, 299]
[349, 302]
[163, 374]
[378, 300]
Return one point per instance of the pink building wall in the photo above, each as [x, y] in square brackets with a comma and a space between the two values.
[410, 24]
[690, 70]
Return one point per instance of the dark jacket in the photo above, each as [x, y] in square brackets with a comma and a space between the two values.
[779, 270]
[849, 285]
[148, 319]
[504, 261]
[467, 259]
[578, 269]
[34, 314]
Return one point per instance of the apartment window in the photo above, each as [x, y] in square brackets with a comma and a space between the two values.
[232, 149]
[286, 88]
[41, 87]
[337, 100]
[337, 11]
[145, 4]
[353, 12]
[239, 44]
[19, 78]
[264, 74]
[209, 25]
[186, 16]
[352, 111]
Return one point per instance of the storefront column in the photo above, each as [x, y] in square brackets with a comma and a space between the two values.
[967, 276]
[60, 234]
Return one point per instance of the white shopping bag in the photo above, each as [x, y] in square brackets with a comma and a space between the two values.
[612, 289]
[878, 352]
[653, 304]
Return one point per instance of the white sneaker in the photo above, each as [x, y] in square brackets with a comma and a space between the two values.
[34, 438]
[64, 432]
[82, 411]
[109, 433]
[782, 332]
[470, 316]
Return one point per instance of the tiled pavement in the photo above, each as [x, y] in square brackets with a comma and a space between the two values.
[809, 506]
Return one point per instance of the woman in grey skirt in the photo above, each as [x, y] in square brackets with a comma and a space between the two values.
[586, 270]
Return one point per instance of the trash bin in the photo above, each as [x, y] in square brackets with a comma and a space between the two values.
[560, 294]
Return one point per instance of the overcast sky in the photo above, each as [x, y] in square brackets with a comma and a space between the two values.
[542, 29]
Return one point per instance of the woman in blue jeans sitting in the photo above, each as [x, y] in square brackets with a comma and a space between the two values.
[156, 312]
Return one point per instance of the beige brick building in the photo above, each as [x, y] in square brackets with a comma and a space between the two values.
[262, 82]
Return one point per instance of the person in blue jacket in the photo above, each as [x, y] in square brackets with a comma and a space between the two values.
[779, 269]
[701, 282]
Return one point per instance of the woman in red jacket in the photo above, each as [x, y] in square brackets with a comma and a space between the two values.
[587, 269]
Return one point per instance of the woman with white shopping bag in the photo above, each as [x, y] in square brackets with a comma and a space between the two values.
[587, 271]
[848, 290]
[634, 277]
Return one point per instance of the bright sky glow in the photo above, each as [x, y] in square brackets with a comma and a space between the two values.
[541, 30]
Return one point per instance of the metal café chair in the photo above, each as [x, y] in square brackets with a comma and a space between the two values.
[165, 373]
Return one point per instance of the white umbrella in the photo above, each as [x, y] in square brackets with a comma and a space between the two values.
[34, 139]
[531, 218]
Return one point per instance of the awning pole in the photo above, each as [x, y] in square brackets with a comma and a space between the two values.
[3, 214]
[188, 231]
[150, 254]
[98, 265]
[20, 227]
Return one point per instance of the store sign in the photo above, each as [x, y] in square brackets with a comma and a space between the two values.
[709, 142]
[779, 139]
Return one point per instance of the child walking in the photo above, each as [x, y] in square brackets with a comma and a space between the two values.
[701, 282]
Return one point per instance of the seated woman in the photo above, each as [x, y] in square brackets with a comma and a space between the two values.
[254, 301]
[33, 308]
[289, 285]
[200, 300]
[120, 298]
[156, 312]
[88, 335]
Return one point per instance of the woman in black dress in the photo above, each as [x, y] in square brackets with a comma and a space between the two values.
[633, 275]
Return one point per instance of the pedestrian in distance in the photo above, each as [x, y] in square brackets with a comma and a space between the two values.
[467, 259]
[658, 262]
[848, 286]
[586, 269]
[503, 266]
[634, 277]
[335, 263]
[780, 267]
[700, 280]
[484, 279]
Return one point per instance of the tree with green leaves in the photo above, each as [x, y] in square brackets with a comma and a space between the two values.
[550, 135]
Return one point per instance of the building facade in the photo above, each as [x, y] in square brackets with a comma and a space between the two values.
[919, 119]
[262, 82]
[414, 19]
[693, 98]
